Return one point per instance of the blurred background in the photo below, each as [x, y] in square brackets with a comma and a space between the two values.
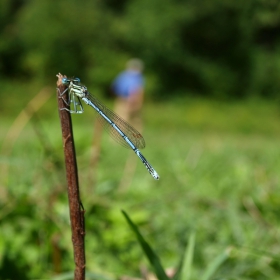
[211, 121]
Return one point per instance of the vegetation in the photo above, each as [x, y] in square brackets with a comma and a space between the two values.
[212, 129]
[218, 164]
[214, 48]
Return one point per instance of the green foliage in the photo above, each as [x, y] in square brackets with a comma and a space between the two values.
[219, 167]
[217, 48]
[70, 43]
[11, 49]
[152, 257]
[214, 265]
[184, 271]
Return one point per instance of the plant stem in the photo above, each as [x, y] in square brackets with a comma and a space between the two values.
[75, 205]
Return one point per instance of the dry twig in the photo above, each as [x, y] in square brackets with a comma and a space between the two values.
[75, 205]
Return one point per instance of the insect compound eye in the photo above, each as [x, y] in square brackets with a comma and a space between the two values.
[65, 81]
[76, 80]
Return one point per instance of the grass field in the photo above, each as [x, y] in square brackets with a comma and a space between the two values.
[219, 165]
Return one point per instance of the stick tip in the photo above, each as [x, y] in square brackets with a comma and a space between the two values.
[59, 80]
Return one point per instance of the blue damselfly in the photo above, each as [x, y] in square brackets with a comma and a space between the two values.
[118, 128]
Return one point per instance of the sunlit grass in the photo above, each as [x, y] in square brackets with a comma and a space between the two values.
[219, 165]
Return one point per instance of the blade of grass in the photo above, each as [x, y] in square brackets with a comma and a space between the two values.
[188, 258]
[150, 254]
[234, 222]
[214, 265]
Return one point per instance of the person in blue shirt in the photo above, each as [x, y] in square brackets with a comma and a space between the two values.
[128, 87]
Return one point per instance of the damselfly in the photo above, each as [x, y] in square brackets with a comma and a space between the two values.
[118, 128]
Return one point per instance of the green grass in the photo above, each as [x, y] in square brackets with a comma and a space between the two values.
[219, 165]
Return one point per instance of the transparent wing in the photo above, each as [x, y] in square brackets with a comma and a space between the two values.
[134, 136]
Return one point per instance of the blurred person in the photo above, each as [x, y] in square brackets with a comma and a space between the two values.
[128, 86]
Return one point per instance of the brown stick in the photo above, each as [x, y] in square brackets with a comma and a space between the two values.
[75, 206]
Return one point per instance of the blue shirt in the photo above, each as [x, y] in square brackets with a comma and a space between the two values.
[128, 82]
